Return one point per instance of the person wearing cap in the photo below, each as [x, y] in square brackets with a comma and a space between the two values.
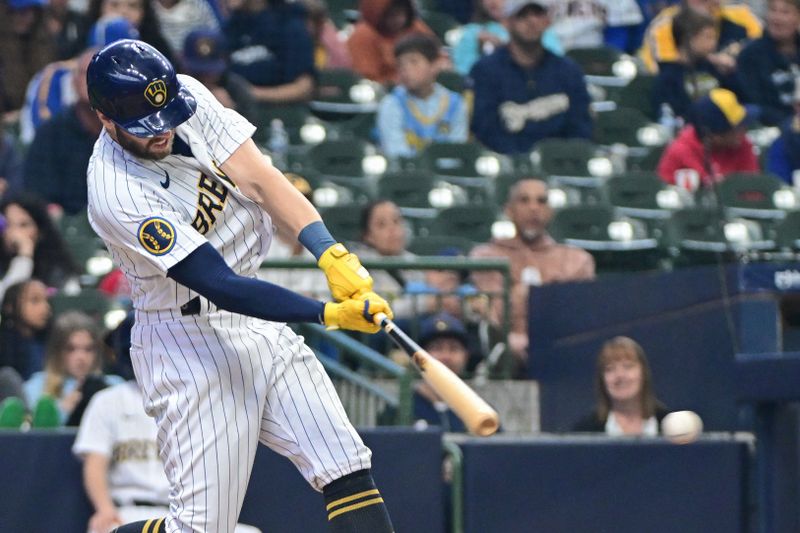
[713, 144]
[768, 67]
[52, 89]
[523, 92]
[205, 57]
[26, 46]
[736, 24]
[55, 165]
[445, 338]
[783, 157]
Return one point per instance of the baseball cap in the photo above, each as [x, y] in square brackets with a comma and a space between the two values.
[204, 52]
[442, 325]
[111, 29]
[720, 111]
[512, 7]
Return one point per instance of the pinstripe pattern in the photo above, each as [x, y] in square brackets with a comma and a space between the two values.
[216, 383]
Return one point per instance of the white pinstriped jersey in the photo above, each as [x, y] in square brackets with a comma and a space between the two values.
[152, 214]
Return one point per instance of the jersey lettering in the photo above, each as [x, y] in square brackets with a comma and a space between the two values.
[210, 201]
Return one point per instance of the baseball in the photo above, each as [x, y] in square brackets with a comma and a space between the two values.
[682, 427]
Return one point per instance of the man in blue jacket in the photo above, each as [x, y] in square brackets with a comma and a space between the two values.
[524, 93]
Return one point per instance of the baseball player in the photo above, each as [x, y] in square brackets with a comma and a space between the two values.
[185, 201]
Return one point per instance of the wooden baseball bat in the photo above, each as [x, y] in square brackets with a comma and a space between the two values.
[476, 414]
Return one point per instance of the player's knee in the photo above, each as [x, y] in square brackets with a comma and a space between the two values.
[154, 525]
[354, 505]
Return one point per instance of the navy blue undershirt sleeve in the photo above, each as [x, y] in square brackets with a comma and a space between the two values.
[205, 272]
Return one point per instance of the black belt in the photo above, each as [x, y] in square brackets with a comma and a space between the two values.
[192, 307]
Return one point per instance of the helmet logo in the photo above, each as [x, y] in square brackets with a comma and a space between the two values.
[156, 93]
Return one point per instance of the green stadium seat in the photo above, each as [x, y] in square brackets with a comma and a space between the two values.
[466, 164]
[452, 80]
[93, 302]
[596, 61]
[46, 414]
[342, 93]
[407, 189]
[433, 245]
[12, 413]
[616, 243]
[343, 221]
[645, 195]
[627, 126]
[787, 232]
[442, 25]
[473, 222]
[346, 162]
[82, 241]
[751, 195]
[637, 94]
[293, 117]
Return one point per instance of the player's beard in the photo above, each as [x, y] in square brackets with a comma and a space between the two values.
[144, 151]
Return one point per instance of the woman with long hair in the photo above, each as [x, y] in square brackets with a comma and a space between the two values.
[140, 13]
[26, 220]
[626, 402]
[24, 322]
[73, 366]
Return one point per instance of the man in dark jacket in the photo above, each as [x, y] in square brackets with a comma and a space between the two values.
[768, 67]
[524, 93]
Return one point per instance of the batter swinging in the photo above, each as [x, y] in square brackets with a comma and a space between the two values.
[180, 195]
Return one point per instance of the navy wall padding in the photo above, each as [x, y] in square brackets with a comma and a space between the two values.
[688, 325]
[604, 486]
[41, 489]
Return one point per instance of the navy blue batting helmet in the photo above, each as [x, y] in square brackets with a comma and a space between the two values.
[135, 86]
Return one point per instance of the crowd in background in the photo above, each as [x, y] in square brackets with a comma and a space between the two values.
[720, 67]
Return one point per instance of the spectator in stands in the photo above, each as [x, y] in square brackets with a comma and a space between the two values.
[384, 234]
[713, 144]
[330, 47]
[10, 165]
[594, 23]
[140, 13]
[783, 157]
[21, 243]
[445, 338]
[178, 18]
[73, 367]
[66, 25]
[769, 67]
[122, 472]
[461, 10]
[383, 23]
[205, 57]
[535, 259]
[271, 48]
[24, 324]
[285, 245]
[419, 110]
[25, 47]
[626, 401]
[736, 24]
[27, 215]
[486, 32]
[53, 89]
[692, 75]
[524, 93]
[56, 163]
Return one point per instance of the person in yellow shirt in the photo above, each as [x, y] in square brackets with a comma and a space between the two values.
[736, 23]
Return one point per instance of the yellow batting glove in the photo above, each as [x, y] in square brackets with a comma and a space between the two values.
[356, 313]
[346, 276]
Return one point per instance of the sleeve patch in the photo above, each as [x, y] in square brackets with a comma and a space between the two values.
[157, 235]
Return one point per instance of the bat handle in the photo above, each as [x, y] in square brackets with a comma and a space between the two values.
[381, 319]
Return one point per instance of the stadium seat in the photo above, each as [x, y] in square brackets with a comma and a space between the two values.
[349, 161]
[82, 241]
[467, 164]
[596, 61]
[645, 195]
[293, 117]
[701, 235]
[91, 301]
[443, 25]
[436, 244]
[638, 94]
[752, 195]
[472, 222]
[343, 221]
[571, 158]
[787, 232]
[629, 127]
[342, 93]
[452, 80]
[12, 413]
[45, 414]
[407, 189]
[616, 243]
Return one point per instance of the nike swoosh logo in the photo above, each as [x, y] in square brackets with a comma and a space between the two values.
[165, 183]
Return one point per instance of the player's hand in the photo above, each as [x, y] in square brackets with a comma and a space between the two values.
[356, 313]
[104, 520]
[346, 276]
